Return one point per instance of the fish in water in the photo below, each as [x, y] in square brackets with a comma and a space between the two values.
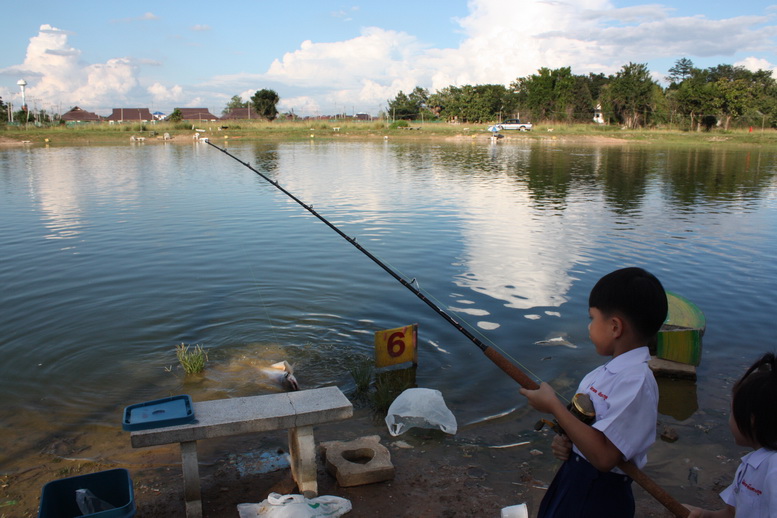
[282, 374]
[557, 341]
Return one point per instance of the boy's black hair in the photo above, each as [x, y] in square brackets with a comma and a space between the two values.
[635, 294]
[754, 396]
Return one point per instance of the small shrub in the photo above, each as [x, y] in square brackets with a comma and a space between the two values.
[362, 376]
[389, 385]
[399, 124]
[191, 361]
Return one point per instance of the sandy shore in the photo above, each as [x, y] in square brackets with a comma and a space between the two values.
[483, 468]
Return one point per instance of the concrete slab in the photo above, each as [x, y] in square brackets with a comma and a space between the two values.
[226, 417]
[661, 367]
[358, 462]
[297, 412]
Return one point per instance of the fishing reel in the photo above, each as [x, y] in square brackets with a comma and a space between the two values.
[581, 407]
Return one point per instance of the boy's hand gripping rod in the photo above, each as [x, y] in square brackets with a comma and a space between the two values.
[492, 354]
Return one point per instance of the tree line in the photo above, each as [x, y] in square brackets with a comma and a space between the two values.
[262, 103]
[694, 98]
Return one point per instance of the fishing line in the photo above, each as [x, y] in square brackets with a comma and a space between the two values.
[473, 327]
[264, 306]
[491, 351]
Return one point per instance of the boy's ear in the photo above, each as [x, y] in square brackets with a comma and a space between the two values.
[617, 326]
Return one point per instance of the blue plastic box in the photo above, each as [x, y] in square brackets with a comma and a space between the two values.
[169, 411]
[58, 499]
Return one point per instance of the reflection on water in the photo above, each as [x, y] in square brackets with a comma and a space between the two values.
[677, 398]
[114, 255]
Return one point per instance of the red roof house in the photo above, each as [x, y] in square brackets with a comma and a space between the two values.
[76, 114]
[242, 114]
[197, 114]
[130, 114]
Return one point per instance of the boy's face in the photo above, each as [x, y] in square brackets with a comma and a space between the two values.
[600, 332]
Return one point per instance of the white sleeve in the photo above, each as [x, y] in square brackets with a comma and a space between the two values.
[630, 419]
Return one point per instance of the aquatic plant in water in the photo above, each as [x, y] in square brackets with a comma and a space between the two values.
[191, 361]
[362, 376]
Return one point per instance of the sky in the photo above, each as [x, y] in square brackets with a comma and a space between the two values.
[326, 57]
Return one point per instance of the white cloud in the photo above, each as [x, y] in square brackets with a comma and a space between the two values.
[145, 16]
[376, 53]
[506, 39]
[163, 95]
[755, 64]
[500, 40]
[300, 105]
[55, 74]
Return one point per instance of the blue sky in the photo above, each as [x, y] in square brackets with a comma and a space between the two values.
[327, 57]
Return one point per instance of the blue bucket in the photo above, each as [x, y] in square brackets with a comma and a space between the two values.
[114, 486]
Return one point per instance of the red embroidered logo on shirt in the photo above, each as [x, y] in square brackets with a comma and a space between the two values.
[751, 488]
[598, 392]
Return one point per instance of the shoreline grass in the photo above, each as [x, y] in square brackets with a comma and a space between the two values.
[225, 131]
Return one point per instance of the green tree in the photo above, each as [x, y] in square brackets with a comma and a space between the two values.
[555, 94]
[468, 103]
[235, 102]
[536, 93]
[630, 95]
[265, 102]
[444, 103]
[693, 99]
[176, 116]
[596, 83]
[725, 93]
[683, 69]
[409, 106]
[21, 116]
[3, 112]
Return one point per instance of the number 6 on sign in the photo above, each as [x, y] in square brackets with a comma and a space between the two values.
[395, 346]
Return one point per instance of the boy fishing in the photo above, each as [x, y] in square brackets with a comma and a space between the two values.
[627, 308]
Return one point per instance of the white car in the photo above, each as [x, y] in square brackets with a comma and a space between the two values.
[511, 124]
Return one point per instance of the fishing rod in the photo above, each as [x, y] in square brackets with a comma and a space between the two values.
[494, 355]
[490, 352]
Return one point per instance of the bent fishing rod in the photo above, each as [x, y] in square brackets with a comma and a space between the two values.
[491, 353]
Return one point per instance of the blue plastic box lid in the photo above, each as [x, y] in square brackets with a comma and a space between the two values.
[170, 411]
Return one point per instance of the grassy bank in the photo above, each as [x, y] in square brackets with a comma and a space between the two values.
[328, 130]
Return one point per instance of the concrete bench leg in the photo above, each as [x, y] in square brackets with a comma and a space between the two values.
[302, 449]
[191, 479]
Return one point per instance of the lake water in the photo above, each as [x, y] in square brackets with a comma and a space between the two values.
[111, 256]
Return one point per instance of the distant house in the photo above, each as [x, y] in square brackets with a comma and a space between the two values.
[242, 114]
[76, 114]
[130, 115]
[196, 114]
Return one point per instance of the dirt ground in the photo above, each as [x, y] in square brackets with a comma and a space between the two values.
[483, 468]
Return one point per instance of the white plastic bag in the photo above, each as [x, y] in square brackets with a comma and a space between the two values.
[295, 506]
[420, 408]
[515, 511]
[88, 503]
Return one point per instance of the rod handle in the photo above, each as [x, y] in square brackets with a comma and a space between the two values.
[511, 370]
[656, 491]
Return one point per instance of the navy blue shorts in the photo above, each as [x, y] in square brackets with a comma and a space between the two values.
[579, 490]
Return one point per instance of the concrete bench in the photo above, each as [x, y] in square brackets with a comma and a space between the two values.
[296, 412]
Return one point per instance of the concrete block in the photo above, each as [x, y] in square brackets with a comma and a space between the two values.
[358, 462]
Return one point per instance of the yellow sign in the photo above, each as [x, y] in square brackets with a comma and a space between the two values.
[395, 346]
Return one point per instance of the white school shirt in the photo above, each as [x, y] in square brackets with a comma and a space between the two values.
[625, 396]
[754, 490]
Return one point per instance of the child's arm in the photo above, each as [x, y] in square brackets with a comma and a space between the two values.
[594, 445]
[696, 512]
